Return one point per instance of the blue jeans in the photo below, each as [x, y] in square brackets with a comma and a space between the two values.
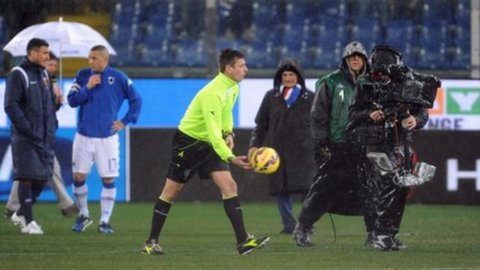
[285, 206]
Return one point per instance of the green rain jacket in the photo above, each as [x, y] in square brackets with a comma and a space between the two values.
[333, 95]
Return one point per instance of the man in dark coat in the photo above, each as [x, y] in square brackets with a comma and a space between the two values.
[66, 204]
[337, 187]
[28, 104]
[283, 123]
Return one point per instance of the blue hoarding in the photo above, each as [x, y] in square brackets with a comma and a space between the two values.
[164, 102]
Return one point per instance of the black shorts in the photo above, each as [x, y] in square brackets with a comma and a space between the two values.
[191, 156]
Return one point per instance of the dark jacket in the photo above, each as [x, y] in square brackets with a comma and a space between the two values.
[28, 104]
[389, 97]
[287, 130]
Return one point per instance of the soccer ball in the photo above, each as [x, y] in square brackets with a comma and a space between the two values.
[265, 160]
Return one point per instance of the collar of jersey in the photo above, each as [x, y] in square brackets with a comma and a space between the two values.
[225, 79]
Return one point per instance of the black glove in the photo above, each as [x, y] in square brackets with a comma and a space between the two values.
[322, 154]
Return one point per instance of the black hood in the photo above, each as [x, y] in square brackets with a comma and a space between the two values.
[289, 65]
[383, 57]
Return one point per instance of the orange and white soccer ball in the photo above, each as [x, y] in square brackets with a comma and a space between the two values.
[265, 160]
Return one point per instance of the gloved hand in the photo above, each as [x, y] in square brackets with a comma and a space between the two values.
[322, 154]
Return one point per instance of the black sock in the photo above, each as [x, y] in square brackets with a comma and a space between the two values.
[160, 213]
[37, 187]
[25, 198]
[234, 213]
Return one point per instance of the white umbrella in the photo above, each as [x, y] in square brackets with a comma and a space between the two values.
[66, 39]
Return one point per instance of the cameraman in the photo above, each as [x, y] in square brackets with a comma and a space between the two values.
[388, 105]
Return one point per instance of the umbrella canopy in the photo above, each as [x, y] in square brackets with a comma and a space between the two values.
[66, 39]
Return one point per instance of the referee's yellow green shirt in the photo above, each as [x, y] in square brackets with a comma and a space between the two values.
[210, 114]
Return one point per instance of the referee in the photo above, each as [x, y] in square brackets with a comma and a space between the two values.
[203, 145]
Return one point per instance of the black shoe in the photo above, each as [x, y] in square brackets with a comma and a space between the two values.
[252, 243]
[105, 228]
[152, 247]
[302, 235]
[385, 243]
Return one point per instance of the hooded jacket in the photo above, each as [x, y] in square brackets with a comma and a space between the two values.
[287, 130]
[333, 95]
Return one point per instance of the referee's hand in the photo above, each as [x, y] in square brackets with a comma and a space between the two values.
[242, 162]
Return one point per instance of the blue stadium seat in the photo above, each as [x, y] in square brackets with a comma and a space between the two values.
[334, 8]
[157, 57]
[333, 28]
[127, 32]
[190, 53]
[259, 55]
[434, 39]
[265, 14]
[118, 35]
[222, 43]
[461, 14]
[295, 36]
[434, 10]
[3, 31]
[313, 31]
[329, 53]
[126, 56]
[432, 55]
[400, 34]
[295, 13]
[459, 58]
[367, 32]
[155, 35]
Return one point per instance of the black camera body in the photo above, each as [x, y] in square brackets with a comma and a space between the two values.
[396, 90]
[403, 90]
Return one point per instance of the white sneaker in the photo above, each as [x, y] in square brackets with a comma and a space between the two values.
[18, 220]
[32, 228]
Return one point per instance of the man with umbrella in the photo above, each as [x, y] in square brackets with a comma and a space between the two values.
[28, 104]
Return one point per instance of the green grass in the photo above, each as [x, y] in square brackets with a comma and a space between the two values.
[199, 236]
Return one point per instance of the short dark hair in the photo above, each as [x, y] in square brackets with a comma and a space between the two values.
[35, 44]
[99, 48]
[228, 57]
[52, 56]
[102, 50]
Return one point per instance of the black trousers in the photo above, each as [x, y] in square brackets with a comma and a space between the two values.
[385, 200]
[337, 188]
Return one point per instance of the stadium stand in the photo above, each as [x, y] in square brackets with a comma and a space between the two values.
[149, 33]
[314, 31]
[3, 35]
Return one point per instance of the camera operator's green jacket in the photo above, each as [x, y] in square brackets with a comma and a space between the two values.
[333, 95]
